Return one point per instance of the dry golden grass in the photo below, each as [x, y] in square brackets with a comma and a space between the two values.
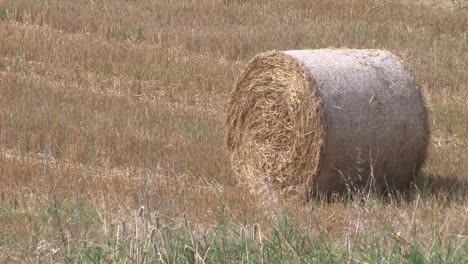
[118, 104]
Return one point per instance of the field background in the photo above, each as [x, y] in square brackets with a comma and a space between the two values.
[112, 141]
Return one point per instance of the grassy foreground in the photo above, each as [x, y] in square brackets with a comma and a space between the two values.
[147, 238]
[112, 141]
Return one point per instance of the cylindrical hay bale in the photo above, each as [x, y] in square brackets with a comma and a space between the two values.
[328, 120]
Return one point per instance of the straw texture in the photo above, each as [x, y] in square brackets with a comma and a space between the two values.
[325, 121]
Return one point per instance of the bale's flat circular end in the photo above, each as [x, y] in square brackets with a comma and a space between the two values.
[275, 124]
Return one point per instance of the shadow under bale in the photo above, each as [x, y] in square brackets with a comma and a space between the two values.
[449, 189]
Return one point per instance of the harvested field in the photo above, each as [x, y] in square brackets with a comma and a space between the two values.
[113, 141]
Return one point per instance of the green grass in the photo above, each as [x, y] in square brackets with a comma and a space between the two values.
[9, 214]
[450, 117]
[148, 237]
[4, 13]
[135, 34]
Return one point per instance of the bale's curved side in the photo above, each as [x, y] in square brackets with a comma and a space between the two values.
[377, 129]
[328, 120]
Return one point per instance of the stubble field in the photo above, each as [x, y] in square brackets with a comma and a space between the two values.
[112, 139]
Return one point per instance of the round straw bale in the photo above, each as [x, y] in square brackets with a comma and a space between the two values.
[328, 120]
